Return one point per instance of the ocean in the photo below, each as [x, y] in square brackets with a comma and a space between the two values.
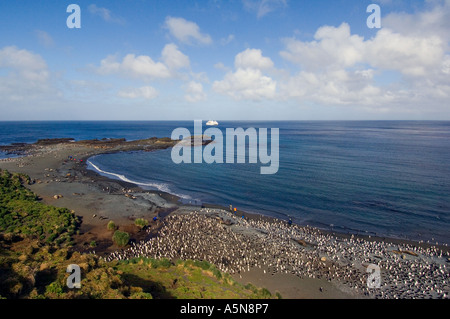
[384, 178]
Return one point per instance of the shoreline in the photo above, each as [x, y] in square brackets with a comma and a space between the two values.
[176, 199]
[135, 145]
[106, 198]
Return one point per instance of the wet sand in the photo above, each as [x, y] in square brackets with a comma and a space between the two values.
[318, 264]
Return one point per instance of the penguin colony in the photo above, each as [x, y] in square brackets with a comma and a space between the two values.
[407, 271]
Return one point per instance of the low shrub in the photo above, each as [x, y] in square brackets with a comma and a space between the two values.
[160, 263]
[111, 225]
[141, 223]
[202, 264]
[265, 293]
[121, 238]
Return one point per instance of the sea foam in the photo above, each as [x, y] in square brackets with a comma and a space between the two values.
[159, 186]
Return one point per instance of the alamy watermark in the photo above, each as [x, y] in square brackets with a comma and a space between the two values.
[73, 21]
[374, 20]
[374, 278]
[74, 280]
[236, 138]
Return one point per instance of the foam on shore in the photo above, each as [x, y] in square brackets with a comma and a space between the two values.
[159, 186]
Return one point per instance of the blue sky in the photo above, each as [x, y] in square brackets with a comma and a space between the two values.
[229, 60]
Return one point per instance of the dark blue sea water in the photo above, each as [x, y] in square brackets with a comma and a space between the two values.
[384, 178]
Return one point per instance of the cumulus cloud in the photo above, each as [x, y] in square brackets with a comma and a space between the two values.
[173, 64]
[248, 81]
[338, 48]
[404, 67]
[252, 58]
[446, 65]
[187, 32]
[194, 92]
[247, 84]
[411, 55]
[141, 66]
[145, 92]
[339, 68]
[174, 58]
[337, 87]
[332, 47]
[26, 62]
[26, 75]
[434, 21]
[144, 67]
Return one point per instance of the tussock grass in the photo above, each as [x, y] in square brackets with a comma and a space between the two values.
[35, 250]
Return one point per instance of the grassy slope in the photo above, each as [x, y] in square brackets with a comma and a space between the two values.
[22, 214]
[185, 279]
[35, 250]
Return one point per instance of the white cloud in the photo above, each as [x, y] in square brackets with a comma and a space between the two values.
[263, 7]
[252, 58]
[334, 88]
[248, 81]
[187, 32]
[174, 58]
[446, 65]
[410, 55]
[247, 84]
[145, 92]
[332, 47]
[134, 66]
[144, 67]
[105, 14]
[434, 21]
[194, 92]
[338, 68]
[23, 61]
[27, 76]
[338, 48]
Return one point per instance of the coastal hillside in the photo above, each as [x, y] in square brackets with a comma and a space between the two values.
[36, 246]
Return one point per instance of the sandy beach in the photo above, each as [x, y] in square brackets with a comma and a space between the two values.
[296, 261]
[93, 197]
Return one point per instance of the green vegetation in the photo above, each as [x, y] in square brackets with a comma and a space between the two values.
[35, 250]
[263, 292]
[121, 238]
[22, 214]
[184, 280]
[111, 225]
[141, 223]
[32, 269]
